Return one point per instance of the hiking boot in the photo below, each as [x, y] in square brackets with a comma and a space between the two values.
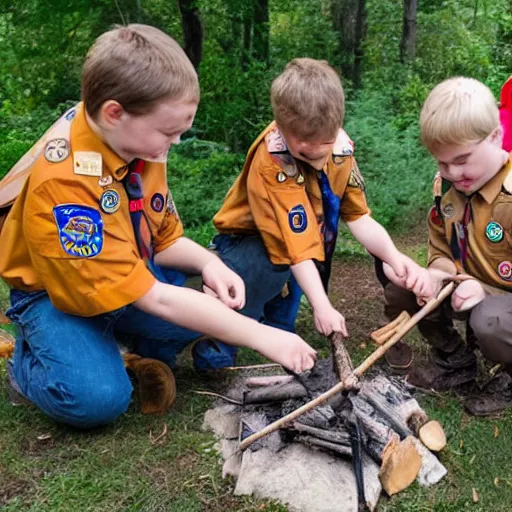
[444, 371]
[399, 356]
[213, 355]
[494, 397]
[14, 393]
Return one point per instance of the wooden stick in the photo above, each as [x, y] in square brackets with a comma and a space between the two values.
[383, 334]
[367, 363]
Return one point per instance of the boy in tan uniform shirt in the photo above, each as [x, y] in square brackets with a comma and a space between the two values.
[280, 218]
[470, 232]
[93, 244]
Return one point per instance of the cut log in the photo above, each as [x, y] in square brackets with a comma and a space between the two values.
[401, 464]
[432, 436]
[278, 393]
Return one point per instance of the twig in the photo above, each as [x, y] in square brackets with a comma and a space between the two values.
[154, 440]
[251, 367]
[367, 363]
[217, 395]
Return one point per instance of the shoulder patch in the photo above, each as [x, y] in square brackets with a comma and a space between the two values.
[343, 146]
[80, 229]
[275, 142]
[56, 150]
[356, 179]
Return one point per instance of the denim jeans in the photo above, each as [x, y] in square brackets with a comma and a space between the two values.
[264, 281]
[70, 366]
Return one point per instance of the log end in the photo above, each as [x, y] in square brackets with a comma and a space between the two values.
[432, 436]
[401, 464]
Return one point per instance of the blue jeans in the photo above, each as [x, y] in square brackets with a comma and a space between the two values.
[264, 281]
[70, 366]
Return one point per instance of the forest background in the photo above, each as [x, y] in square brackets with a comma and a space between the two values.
[390, 54]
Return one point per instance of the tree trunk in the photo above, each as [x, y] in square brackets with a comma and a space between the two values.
[344, 16]
[260, 44]
[358, 51]
[408, 42]
[192, 31]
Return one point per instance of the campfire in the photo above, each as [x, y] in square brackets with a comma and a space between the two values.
[327, 440]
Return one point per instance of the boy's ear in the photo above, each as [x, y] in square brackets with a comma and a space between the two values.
[497, 136]
[110, 113]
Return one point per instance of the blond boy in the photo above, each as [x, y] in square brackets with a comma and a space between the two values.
[280, 217]
[93, 240]
[470, 230]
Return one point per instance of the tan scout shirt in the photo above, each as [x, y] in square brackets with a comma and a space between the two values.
[489, 232]
[277, 198]
[69, 232]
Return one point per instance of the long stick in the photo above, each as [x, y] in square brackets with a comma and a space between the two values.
[320, 399]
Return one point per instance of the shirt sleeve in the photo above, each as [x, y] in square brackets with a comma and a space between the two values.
[85, 259]
[284, 217]
[353, 204]
[438, 246]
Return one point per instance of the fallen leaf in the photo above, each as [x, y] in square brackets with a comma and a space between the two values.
[44, 437]
[472, 459]
[461, 444]
[476, 499]
[497, 482]
[496, 431]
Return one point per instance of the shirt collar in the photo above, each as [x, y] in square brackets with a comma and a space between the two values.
[83, 138]
[493, 187]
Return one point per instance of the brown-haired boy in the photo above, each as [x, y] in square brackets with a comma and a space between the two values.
[280, 217]
[93, 240]
[470, 232]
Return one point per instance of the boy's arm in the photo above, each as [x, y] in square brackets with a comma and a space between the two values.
[326, 318]
[218, 280]
[200, 312]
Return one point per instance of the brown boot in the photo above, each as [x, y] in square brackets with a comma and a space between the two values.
[494, 397]
[444, 371]
[155, 383]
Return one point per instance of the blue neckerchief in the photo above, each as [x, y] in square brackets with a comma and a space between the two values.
[331, 207]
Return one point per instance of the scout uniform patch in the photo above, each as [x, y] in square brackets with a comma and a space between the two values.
[157, 202]
[80, 230]
[110, 201]
[56, 150]
[87, 163]
[298, 219]
[494, 232]
[356, 179]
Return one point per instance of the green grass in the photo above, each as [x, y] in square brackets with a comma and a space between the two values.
[48, 467]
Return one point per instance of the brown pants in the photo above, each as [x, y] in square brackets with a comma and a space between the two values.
[489, 323]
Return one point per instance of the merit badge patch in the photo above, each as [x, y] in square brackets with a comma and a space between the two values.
[110, 201]
[157, 202]
[356, 179]
[80, 229]
[448, 210]
[505, 270]
[70, 115]
[56, 150]
[88, 163]
[105, 181]
[298, 219]
[494, 232]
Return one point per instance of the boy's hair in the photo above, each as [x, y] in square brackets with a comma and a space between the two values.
[307, 99]
[137, 66]
[456, 112]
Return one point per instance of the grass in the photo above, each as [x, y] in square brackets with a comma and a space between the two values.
[49, 467]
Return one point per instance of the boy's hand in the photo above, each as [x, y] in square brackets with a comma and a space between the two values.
[328, 320]
[221, 282]
[289, 350]
[407, 274]
[467, 295]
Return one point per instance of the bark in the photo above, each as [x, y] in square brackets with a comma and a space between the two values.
[344, 16]
[260, 44]
[408, 42]
[192, 31]
[358, 51]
